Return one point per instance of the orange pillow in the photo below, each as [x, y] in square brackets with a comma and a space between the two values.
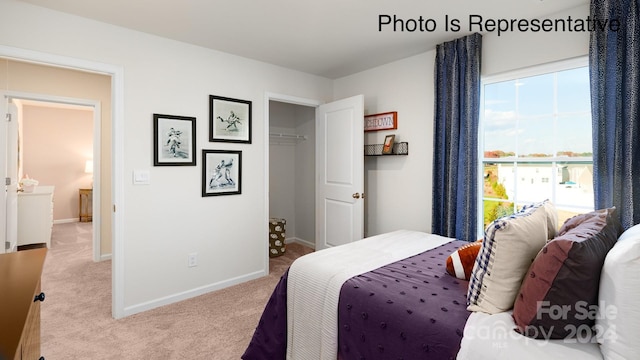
[460, 262]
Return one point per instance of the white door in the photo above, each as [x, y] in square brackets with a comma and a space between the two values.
[4, 127]
[12, 170]
[9, 166]
[339, 172]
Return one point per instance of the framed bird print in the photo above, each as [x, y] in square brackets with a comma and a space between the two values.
[229, 120]
[221, 172]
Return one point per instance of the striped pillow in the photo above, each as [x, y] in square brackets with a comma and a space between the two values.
[460, 262]
[510, 245]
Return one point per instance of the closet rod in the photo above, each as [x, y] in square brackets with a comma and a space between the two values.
[288, 136]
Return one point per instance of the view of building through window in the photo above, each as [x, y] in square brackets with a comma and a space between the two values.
[536, 142]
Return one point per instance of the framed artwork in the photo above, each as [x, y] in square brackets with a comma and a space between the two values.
[221, 172]
[382, 121]
[174, 140]
[229, 120]
[387, 147]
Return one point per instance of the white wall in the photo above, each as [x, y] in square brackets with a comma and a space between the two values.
[512, 50]
[305, 174]
[168, 219]
[282, 182]
[398, 188]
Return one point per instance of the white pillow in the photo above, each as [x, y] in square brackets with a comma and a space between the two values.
[618, 320]
[510, 244]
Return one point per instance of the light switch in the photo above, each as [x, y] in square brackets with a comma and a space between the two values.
[141, 177]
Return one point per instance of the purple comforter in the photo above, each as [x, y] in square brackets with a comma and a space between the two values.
[410, 309]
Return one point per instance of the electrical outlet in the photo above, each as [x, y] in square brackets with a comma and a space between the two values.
[192, 260]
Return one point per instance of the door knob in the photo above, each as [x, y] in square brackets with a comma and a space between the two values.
[356, 196]
[39, 297]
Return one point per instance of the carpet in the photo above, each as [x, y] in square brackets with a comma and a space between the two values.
[76, 315]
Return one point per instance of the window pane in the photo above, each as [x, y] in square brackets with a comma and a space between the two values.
[573, 91]
[534, 182]
[574, 187]
[574, 136]
[499, 118]
[535, 137]
[495, 210]
[535, 96]
[493, 188]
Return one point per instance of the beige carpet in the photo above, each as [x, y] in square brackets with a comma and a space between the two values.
[77, 322]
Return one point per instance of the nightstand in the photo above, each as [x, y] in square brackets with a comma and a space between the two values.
[86, 205]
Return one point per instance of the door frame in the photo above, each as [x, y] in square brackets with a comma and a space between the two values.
[269, 96]
[117, 148]
[97, 120]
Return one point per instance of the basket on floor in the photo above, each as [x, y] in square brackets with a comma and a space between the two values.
[277, 246]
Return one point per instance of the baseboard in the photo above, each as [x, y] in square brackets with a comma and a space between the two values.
[104, 257]
[300, 241]
[66, 221]
[191, 293]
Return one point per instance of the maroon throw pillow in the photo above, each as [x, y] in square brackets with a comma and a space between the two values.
[560, 290]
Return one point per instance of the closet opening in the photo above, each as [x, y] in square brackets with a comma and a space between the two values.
[292, 134]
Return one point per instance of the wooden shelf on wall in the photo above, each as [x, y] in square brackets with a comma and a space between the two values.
[399, 148]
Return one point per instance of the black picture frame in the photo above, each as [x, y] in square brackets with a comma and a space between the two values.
[229, 120]
[174, 140]
[221, 172]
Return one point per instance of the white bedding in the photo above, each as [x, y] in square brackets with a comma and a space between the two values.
[491, 337]
[314, 283]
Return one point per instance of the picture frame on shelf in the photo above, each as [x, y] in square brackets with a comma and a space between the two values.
[174, 140]
[381, 121]
[221, 172]
[229, 120]
[387, 146]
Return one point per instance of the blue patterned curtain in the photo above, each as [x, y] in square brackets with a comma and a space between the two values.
[455, 134]
[614, 57]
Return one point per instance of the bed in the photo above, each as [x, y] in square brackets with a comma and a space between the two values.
[389, 297]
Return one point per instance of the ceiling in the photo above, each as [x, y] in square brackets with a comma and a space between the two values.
[329, 38]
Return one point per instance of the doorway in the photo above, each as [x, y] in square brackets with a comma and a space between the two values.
[292, 169]
[337, 166]
[58, 141]
[283, 114]
[115, 110]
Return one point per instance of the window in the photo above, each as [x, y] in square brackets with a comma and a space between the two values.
[535, 141]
